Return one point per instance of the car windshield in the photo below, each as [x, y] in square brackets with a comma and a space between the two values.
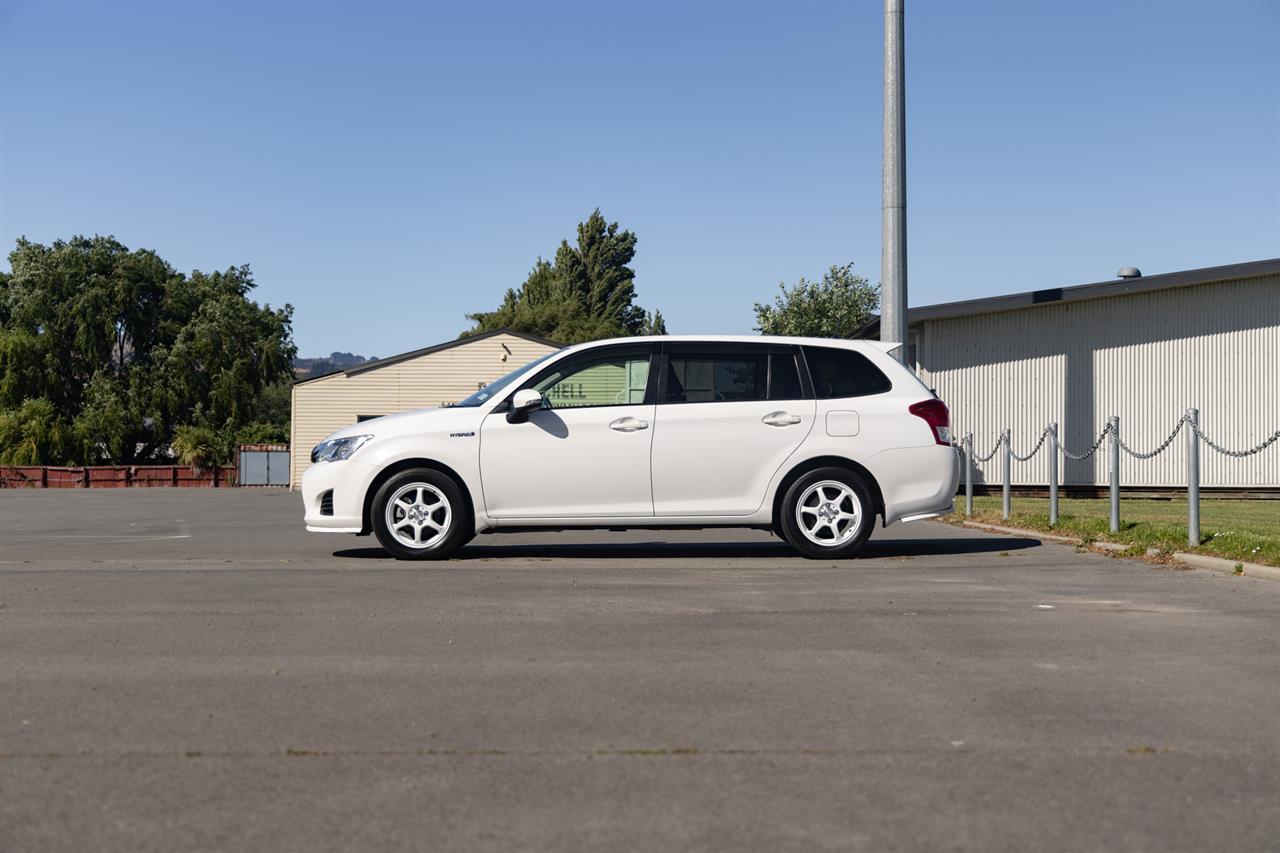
[495, 387]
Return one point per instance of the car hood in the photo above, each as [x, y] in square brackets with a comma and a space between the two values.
[414, 421]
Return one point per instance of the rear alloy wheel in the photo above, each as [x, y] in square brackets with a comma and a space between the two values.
[827, 514]
[421, 514]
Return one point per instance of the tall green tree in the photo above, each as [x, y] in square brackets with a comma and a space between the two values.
[104, 351]
[586, 293]
[835, 307]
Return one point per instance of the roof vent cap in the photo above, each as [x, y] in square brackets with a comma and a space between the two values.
[1129, 272]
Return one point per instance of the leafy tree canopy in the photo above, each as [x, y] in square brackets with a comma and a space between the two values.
[587, 293]
[835, 307]
[105, 351]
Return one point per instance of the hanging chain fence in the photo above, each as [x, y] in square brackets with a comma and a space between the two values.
[1236, 453]
[1194, 437]
[991, 455]
[1136, 455]
[1102, 436]
[1034, 450]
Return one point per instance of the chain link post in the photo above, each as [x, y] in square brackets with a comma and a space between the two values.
[1193, 478]
[1113, 447]
[968, 474]
[1005, 463]
[1053, 474]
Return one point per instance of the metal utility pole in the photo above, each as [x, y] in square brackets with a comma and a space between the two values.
[893, 252]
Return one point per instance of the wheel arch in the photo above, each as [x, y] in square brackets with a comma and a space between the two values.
[815, 463]
[366, 514]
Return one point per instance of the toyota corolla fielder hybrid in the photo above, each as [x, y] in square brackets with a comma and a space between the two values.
[809, 438]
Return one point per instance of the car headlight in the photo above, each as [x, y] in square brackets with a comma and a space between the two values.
[337, 449]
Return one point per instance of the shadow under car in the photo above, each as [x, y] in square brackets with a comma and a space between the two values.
[875, 549]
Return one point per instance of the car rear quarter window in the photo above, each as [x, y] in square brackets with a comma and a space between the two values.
[843, 373]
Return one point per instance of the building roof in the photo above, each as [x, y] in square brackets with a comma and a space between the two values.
[405, 356]
[1079, 292]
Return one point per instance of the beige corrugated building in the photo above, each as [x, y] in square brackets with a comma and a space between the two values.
[1145, 349]
[433, 376]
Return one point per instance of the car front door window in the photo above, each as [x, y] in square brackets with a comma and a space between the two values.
[617, 380]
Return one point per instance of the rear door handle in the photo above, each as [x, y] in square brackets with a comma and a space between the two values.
[629, 424]
[780, 419]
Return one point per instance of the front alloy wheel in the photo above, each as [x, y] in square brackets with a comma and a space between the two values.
[421, 514]
[418, 515]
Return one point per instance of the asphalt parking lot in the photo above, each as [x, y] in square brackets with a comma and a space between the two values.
[187, 669]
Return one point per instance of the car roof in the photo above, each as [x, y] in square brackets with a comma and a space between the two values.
[788, 340]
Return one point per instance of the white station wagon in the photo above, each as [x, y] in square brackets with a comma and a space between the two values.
[809, 438]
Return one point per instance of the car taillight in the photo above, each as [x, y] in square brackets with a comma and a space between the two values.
[935, 414]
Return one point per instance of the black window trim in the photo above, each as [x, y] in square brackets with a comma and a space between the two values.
[650, 388]
[802, 372]
[805, 378]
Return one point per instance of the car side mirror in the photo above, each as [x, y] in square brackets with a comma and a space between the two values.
[523, 402]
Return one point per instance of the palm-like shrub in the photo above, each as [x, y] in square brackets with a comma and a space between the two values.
[197, 446]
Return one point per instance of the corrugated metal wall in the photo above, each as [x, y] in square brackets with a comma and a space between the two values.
[1146, 357]
[434, 379]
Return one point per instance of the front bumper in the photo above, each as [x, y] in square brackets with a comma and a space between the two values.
[345, 482]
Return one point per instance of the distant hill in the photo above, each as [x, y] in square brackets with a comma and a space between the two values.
[308, 368]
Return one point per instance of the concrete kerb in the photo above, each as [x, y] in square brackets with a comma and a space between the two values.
[1033, 534]
[1199, 561]
[1218, 564]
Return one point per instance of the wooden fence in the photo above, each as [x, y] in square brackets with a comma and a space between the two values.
[112, 477]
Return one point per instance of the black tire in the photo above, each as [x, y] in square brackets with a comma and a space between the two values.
[425, 507]
[849, 535]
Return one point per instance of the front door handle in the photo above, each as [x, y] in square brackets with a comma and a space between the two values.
[780, 419]
[629, 424]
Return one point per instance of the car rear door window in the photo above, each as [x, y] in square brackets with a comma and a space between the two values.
[716, 377]
[843, 373]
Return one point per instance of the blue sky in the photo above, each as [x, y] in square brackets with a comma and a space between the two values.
[387, 167]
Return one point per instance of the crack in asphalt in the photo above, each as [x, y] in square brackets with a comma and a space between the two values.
[636, 752]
